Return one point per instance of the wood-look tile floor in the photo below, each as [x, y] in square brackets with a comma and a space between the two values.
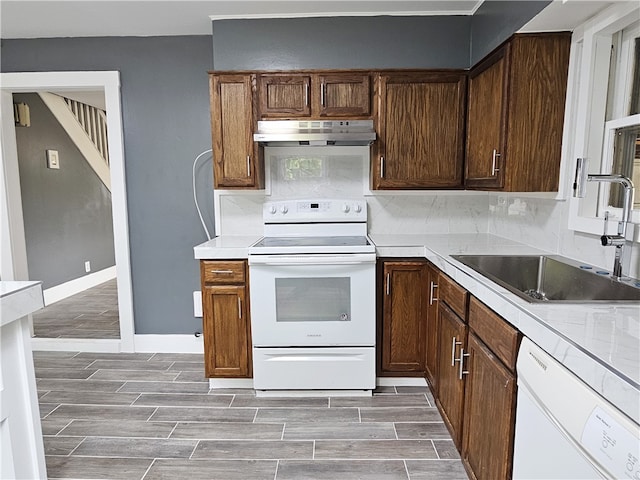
[89, 314]
[152, 416]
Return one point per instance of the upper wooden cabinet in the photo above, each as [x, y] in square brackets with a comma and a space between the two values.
[420, 124]
[236, 157]
[315, 95]
[515, 115]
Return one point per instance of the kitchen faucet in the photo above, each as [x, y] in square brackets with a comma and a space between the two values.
[624, 238]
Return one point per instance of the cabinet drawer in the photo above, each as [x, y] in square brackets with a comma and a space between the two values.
[453, 295]
[223, 272]
[495, 332]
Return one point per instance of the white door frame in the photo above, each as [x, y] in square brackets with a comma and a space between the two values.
[13, 259]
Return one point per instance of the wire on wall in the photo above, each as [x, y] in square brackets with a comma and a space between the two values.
[195, 197]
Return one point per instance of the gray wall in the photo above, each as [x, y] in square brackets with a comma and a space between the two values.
[67, 212]
[166, 114]
[165, 111]
[342, 42]
[495, 21]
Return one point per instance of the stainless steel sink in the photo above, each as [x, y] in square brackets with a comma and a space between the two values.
[553, 279]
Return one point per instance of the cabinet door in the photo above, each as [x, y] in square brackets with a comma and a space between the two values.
[431, 366]
[343, 95]
[538, 67]
[235, 154]
[490, 399]
[420, 124]
[404, 315]
[452, 342]
[486, 123]
[226, 331]
[285, 96]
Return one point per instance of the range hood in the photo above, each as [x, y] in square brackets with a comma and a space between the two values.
[315, 132]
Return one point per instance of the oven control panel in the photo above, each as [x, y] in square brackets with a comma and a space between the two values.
[315, 210]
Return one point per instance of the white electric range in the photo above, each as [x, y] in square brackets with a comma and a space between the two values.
[312, 294]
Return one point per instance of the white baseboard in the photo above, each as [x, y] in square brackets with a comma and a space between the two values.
[95, 345]
[77, 285]
[401, 382]
[231, 383]
[168, 343]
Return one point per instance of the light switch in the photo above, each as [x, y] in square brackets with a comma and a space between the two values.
[53, 161]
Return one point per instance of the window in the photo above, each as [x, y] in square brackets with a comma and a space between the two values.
[604, 97]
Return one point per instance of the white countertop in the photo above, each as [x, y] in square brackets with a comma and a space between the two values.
[599, 343]
[18, 299]
[225, 246]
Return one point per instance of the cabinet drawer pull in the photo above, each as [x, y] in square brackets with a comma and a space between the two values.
[454, 342]
[223, 272]
[431, 290]
[494, 160]
[306, 95]
[461, 370]
[322, 93]
[381, 166]
[239, 308]
[248, 166]
[388, 283]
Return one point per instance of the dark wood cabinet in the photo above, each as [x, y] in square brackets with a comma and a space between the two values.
[452, 343]
[226, 324]
[315, 95]
[431, 363]
[420, 124]
[236, 157]
[343, 95]
[285, 95]
[477, 351]
[489, 420]
[403, 288]
[515, 117]
[486, 123]
[490, 395]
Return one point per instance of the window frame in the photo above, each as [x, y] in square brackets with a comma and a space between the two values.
[587, 101]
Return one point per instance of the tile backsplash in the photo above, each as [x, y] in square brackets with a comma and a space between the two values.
[428, 213]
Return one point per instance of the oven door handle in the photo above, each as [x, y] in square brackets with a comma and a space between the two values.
[310, 259]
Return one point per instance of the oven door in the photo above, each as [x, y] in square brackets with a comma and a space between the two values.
[312, 300]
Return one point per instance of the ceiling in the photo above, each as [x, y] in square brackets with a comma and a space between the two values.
[105, 18]
[98, 18]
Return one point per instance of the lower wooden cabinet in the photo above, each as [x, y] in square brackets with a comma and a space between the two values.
[476, 379]
[403, 288]
[489, 417]
[226, 323]
[431, 363]
[452, 342]
[490, 394]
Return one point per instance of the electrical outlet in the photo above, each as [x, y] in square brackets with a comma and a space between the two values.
[197, 304]
[87, 266]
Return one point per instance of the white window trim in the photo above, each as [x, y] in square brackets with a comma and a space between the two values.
[586, 107]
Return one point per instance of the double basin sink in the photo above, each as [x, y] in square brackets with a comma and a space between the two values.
[551, 278]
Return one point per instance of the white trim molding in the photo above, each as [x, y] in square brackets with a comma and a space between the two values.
[13, 240]
[169, 343]
[77, 285]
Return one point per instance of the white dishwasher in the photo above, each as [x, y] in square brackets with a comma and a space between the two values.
[565, 430]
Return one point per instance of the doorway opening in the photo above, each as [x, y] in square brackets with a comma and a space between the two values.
[13, 265]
